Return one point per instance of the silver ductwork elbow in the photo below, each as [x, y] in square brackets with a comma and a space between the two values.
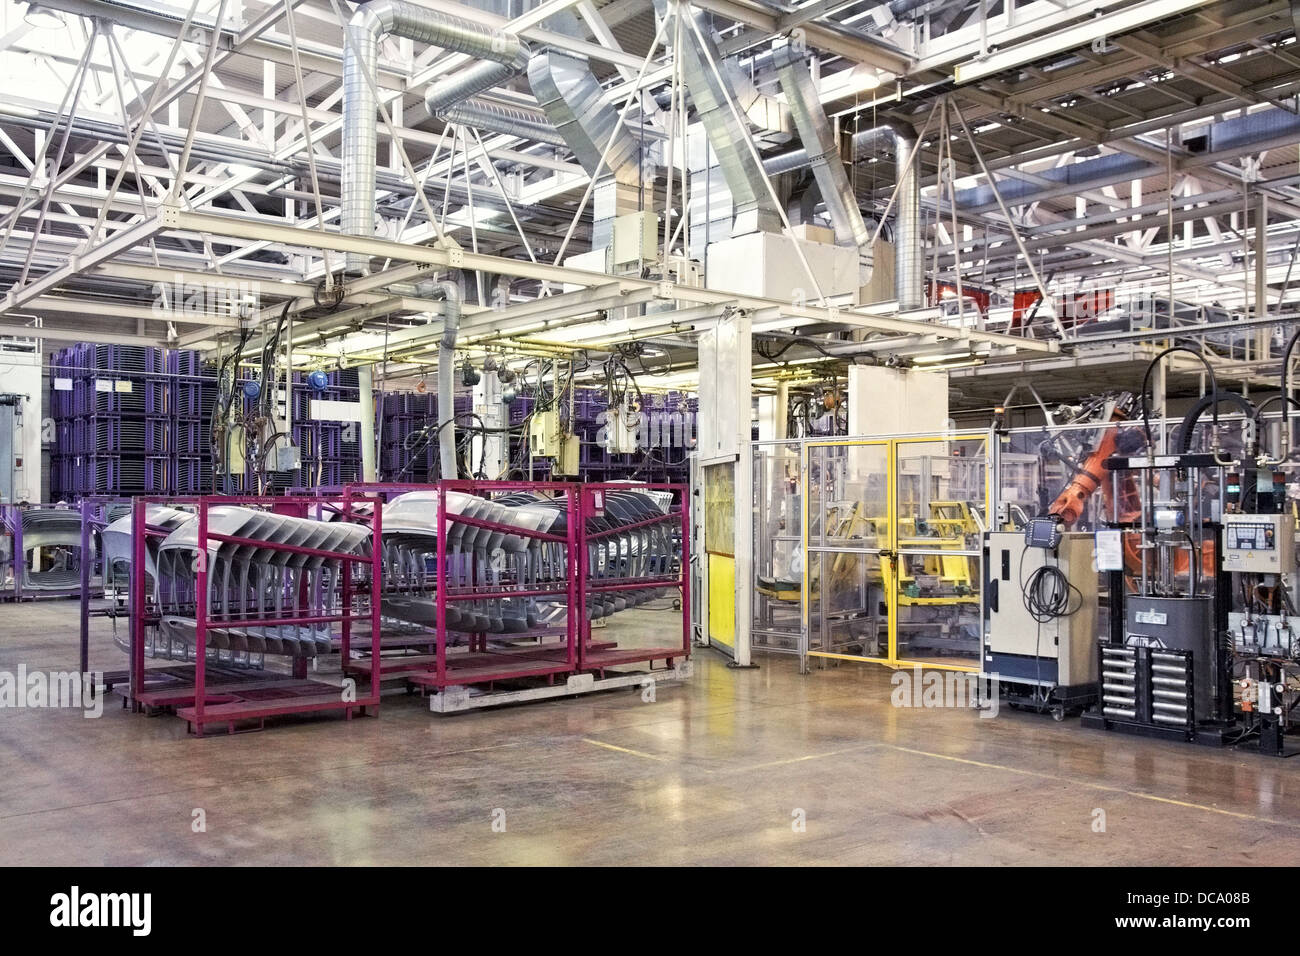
[507, 54]
[447, 92]
[499, 118]
[576, 106]
[578, 109]
[755, 210]
[823, 151]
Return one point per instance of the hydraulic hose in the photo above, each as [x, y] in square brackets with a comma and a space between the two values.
[1214, 392]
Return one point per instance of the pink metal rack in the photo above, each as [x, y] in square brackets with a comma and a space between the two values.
[480, 663]
[242, 698]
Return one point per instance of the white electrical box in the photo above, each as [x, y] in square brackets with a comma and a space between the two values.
[766, 264]
[635, 238]
[544, 434]
[1258, 543]
[1059, 651]
[621, 430]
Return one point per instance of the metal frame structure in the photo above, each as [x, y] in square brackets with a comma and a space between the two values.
[230, 701]
[1050, 120]
[11, 517]
[892, 552]
[94, 519]
[585, 578]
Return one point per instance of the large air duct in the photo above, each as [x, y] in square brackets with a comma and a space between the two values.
[450, 90]
[574, 103]
[753, 206]
[454, 98]
[909, 269]
[505, 53]
[794, 159]
[576, 106]
[499, 118]
[823, 150]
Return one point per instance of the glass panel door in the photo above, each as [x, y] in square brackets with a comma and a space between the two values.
[847, 531]
[940, 509]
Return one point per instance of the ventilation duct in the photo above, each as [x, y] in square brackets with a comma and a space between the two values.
[823, 150]
[909, 274]
[576, 106]
[499, 118]
[450, 90]
[788, 162]
[505, 53]
[754, 208]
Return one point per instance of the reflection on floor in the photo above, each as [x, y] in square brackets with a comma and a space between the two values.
[724, 769]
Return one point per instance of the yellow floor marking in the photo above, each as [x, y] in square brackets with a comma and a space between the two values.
[790, 760]
[1098, 786]
[623, 750]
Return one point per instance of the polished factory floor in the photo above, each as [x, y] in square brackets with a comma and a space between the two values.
[720, 770]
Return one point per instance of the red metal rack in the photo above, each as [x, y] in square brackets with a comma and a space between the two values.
[480, 663]
[595, 657]
[483, 664]
[246, 697]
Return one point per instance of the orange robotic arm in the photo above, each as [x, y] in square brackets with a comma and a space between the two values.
[1069, 504]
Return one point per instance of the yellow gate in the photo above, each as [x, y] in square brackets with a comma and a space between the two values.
[893, 557]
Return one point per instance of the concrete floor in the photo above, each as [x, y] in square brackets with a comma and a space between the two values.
[712, 772]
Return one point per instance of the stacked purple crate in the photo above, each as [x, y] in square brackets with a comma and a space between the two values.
[159, 425]
[193, 398]
[62, 363]
[100, 431]
[408, 444]
[304, 430]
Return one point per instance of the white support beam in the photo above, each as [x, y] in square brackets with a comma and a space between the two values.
[1040, 31]
[232, 227]
[118, 243]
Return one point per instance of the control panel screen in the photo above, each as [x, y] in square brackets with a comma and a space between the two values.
[1250, 537]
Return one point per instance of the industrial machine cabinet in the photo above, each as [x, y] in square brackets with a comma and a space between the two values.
[1048, 661]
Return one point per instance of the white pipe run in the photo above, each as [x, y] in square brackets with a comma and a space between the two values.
[449, 292]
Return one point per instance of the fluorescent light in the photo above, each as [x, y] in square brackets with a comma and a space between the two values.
[934, 358]
[481, 216]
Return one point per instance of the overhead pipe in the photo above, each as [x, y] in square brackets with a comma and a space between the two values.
[819, 140]
[794, 159]
[499, 118]
[576, 106]
[454, 98]
[380, 18]
[449, 292]
[450, 90]
[909, 267]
